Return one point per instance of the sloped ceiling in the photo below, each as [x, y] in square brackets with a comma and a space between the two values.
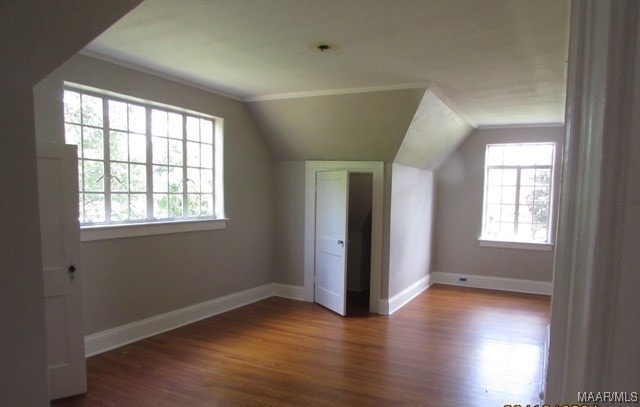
[433, 134]
[358, 126]
[34, 42]
[496, 62]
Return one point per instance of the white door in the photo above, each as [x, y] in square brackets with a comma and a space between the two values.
[60, 234]
[332, 206]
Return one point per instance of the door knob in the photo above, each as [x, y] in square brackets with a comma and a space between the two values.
[341, 242]
[72, 271]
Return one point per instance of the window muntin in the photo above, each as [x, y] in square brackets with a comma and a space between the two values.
[518, 192]
[140, 163]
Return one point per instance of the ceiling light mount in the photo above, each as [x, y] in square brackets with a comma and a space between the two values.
[324, 47]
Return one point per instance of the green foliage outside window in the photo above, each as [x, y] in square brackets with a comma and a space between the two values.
[121, 179]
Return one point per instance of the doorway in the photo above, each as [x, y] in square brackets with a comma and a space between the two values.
[374, 171]
[359, 243]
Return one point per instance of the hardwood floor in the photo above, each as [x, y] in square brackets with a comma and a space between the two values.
[448, 347]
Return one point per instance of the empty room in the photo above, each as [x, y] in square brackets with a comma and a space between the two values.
[340, 202]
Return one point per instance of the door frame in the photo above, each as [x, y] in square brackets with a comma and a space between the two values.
[376, 168]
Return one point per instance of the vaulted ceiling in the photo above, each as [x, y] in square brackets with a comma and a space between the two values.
[493, 62]
[497, 61]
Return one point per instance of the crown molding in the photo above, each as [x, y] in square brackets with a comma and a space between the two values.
[519, 126]
[149, 71]
[333, 92]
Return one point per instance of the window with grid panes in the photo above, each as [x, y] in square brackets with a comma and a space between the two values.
[518, 192]
[139, 162]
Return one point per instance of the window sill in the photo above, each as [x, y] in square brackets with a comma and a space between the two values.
[516, 245]
[104, 232]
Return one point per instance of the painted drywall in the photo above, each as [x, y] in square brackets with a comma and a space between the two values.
[460, 185]
[360, 126]
[359, 232]
[37, 37]
[289, 226]
[23, 378]
[412, 199]
[434, 133]
[594, 341]
[130, 279]
[502, 61]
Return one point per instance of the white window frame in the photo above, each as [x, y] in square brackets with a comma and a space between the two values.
[101, 231]
[488, 241]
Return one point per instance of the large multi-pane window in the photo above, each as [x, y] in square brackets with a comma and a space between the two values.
[140, 162]
[518, 192]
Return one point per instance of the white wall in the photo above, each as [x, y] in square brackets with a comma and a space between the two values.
[412, 199]
[127, 280]
[460, 186]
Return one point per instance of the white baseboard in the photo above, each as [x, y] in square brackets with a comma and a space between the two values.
[292, 292]
[388, 307]
[494, 283]
[113, 338]
[119, 336]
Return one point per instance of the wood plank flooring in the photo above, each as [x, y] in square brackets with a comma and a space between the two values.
[448, 347]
